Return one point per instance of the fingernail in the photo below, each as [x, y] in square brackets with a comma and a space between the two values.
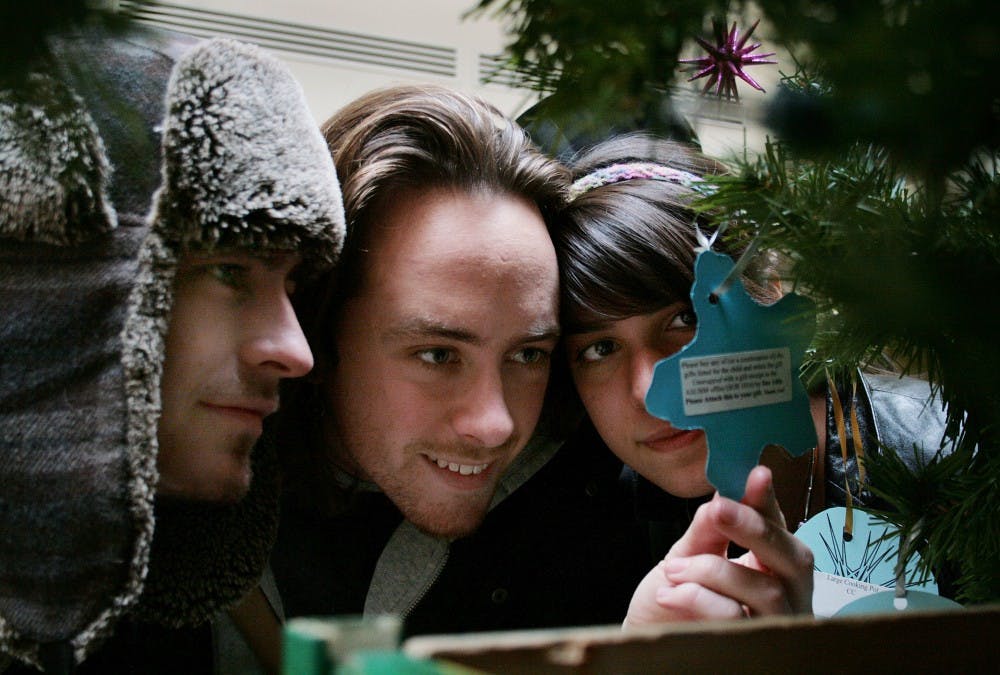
[663, 593]
[675, 565]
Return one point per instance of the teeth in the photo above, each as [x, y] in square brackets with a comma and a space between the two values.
[463, 469]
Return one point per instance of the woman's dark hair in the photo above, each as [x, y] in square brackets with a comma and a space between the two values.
[628, 247]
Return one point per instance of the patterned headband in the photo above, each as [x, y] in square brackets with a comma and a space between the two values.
[616, 173]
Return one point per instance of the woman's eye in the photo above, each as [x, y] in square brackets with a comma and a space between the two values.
[597, 351]
[531, 356]
[685, 318]
[437, 356]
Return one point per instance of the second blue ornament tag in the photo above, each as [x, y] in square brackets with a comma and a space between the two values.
[738, 379]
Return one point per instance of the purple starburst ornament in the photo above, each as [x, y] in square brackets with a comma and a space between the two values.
[726, 60]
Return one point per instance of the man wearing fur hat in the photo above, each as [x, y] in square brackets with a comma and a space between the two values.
[144, 337]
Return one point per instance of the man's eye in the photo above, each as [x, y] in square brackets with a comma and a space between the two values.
[230, 274]
[437, 356]
[597, 351]
[531, 356]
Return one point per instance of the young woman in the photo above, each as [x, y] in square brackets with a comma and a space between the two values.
[626, 250]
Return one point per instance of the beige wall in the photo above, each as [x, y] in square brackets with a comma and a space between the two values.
[339, 49]
[363, 34]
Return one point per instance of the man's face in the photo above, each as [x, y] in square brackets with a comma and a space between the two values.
[233, 336]
[443, 355]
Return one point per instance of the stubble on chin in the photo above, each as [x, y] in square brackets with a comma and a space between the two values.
[450, 517]
[411, 490]
[236, 491]
[461, 515]
[243, 473]
[215, 493]
[232, 484]
[450, 528]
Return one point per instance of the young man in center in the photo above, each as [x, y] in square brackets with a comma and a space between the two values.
[420, 481]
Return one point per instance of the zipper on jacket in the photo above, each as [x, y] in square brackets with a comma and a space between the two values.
[427, 587]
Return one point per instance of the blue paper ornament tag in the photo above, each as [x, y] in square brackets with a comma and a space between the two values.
[849, 571]
[738, 379]
[887, 602]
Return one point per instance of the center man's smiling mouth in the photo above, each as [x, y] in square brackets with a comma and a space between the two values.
[457, 467]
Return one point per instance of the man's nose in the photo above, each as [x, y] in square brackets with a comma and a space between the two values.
[482, 416]
[276, 343]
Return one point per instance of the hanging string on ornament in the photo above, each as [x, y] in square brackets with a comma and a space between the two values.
[726, 60]
[735, 272]
[838, 416]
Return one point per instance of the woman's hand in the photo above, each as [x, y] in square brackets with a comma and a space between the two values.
[697, 581]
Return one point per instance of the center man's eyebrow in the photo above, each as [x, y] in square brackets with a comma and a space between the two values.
[426, 328]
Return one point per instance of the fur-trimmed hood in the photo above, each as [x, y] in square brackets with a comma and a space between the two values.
[114, 158]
